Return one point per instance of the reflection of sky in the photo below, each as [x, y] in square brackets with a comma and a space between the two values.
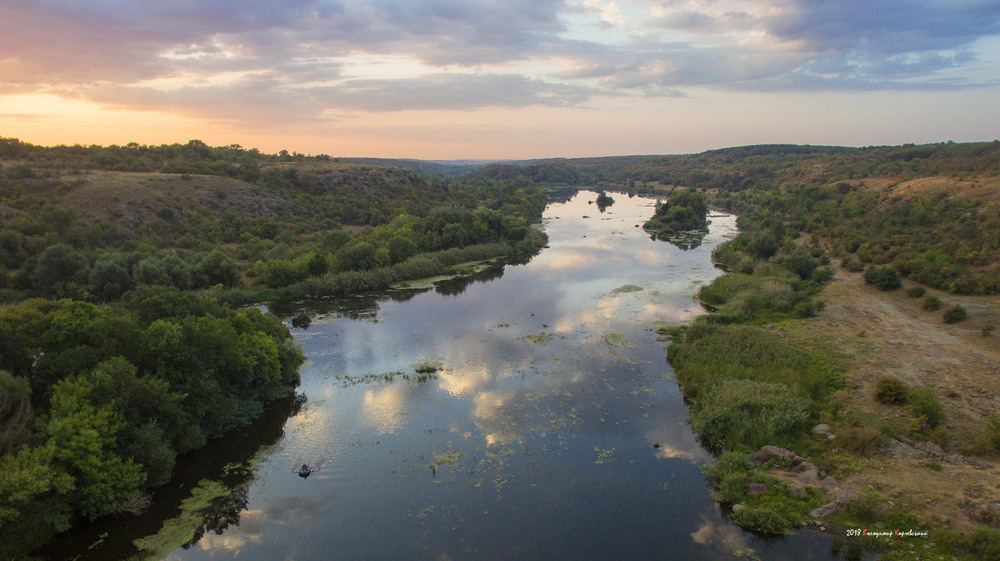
[517, 444]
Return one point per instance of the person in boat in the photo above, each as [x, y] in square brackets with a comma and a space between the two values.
[304, 471]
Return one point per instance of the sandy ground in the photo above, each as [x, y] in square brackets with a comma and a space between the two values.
[876, 334]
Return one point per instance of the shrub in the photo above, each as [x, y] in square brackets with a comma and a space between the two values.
[988, 442]
[883, 278]
[800, 262]
[852, 265]
[930, 303]
[987, 329]
[804, 309]
[916, 291]
[955, 314]
[891, 390]
[925, 404]
[823, 274]
[986, 542]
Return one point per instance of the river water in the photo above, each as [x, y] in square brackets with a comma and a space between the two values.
[552, 428]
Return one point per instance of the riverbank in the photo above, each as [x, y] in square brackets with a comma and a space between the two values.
[876, 466]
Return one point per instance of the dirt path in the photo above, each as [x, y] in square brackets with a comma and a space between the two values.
[879, 334]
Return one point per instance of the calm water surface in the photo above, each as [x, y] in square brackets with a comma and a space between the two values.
[553, 429]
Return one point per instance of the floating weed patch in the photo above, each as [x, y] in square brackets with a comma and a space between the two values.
[445, 457]
[428, 366]
[346, 380]
[604, 456]
[626, 289]
[538, 338]
[617, 340]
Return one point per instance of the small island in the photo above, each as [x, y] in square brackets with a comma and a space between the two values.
[681, 219]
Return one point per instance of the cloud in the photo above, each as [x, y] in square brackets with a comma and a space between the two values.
[266, 62]
[813, 44]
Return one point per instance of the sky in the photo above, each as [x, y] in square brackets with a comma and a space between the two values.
[492, 79]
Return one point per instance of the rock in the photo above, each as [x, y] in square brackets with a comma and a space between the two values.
[846, 494]
[836, 504]
[821, 429]
[738, 507]
[797, 490]
[756, 488]
[825, 510]
[768, 453]
[920, 450]
[830, 484]
[809, 476]
[987, 513]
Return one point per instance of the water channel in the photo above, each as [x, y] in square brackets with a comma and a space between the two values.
[552, 428]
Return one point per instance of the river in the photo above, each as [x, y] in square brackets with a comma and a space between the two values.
[551, 427]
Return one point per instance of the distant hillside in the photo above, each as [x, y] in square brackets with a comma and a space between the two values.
[69, 211]
[446, 168]
[734, 168]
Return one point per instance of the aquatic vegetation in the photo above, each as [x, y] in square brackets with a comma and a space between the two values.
[428, 366]
[538, 338]
[617, 340]
[604, 456]
[444, 458]
[626, 289]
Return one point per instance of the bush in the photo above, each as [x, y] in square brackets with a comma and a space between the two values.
[823, 274]
[930, 303]
[955, 314]
[883, 278]
[852, 265]
[924, 403]
[986, 542]
[891, 390]
[800, 262]
[916, 291]
[987, 329]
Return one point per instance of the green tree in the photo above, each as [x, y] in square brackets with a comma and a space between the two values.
[83, 440]
[216, 268]
[109, 278]
[401, 249]
[58, 269]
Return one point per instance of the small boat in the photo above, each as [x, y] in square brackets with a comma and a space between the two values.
[304, 471]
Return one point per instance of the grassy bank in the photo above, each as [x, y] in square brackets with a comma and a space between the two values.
[758, 370]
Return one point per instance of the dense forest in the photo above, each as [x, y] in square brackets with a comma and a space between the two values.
[124, 271]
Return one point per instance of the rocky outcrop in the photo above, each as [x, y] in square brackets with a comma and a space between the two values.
[800, 473]
[920, 450]
[839, 498]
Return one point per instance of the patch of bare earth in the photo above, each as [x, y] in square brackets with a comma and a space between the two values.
[985, 188]
[135, 198]
[878, 334]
